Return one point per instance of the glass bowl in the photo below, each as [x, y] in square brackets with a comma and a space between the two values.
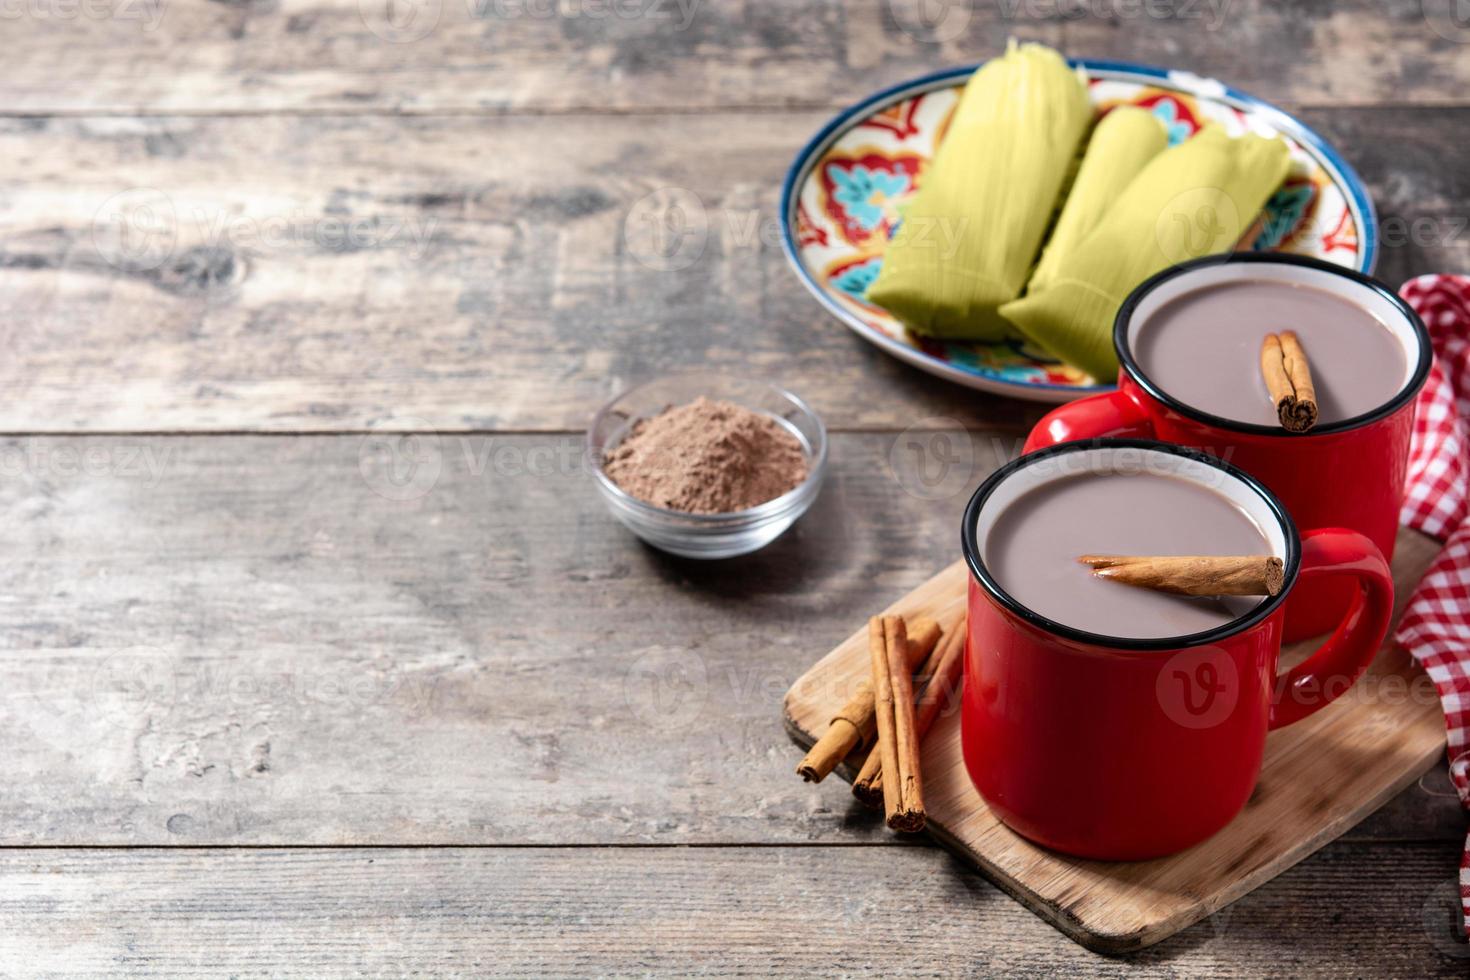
[707, 535]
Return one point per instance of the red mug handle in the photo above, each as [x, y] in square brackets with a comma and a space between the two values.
[1114, 413]
[1320, 679]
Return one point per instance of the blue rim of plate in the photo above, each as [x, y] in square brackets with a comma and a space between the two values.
[1328, 158]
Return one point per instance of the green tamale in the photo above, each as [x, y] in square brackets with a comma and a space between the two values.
[972, 231]
[1126, 139]
[1192, 199]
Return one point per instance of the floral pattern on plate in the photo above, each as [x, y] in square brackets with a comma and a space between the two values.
[845, 193]
[859, 192]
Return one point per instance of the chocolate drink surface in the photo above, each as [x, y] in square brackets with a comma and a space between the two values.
[1033, 545]
[1203, 348]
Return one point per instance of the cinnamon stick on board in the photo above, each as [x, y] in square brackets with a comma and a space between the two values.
[1192, 574]
[852, 727]
[940, 676]
[893, 697]
[1288, 378]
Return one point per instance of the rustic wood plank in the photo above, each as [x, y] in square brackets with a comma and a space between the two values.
[490, 283]
[125, 56]
[294, 274]
[255, 646]
[239, 640]
[1424, 224]
[1352, 911]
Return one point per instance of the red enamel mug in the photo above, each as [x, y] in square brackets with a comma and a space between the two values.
[1348, 473]
[1122, 748]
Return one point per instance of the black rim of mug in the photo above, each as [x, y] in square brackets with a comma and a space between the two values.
[1398, 401]
[969, 542]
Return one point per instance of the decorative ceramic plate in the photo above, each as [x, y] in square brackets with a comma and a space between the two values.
[840, 203]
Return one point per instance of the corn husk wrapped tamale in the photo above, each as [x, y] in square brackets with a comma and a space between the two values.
[1192, 199]
[971, 232]
[1126, 139]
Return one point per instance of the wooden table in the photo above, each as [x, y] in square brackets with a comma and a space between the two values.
[271, 704]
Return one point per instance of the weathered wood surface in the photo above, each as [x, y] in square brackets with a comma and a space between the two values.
[309, 274]
[257, 646]
[332, 274]
[1352, 911]
[242, 640]
[246, 640]
[1319, 778]
[125, 56]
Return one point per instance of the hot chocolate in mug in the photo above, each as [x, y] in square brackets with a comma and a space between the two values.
[1188, 340]
[1113, 722]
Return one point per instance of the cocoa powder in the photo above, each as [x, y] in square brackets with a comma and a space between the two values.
[707, 457]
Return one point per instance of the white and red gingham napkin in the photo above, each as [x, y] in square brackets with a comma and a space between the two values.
[1436, 623]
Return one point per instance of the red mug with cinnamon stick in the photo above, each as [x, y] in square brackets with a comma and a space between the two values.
[1126, 719]
[1190, 344]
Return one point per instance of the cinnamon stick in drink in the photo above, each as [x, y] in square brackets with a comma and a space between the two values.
[893, 696]
[1201, 575]
[940, 678]
[853, 726]
[1288, 378]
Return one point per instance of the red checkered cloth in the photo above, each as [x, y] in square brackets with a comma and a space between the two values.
[1436, 624]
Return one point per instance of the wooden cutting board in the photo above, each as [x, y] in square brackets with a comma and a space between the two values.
[1320, 777]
